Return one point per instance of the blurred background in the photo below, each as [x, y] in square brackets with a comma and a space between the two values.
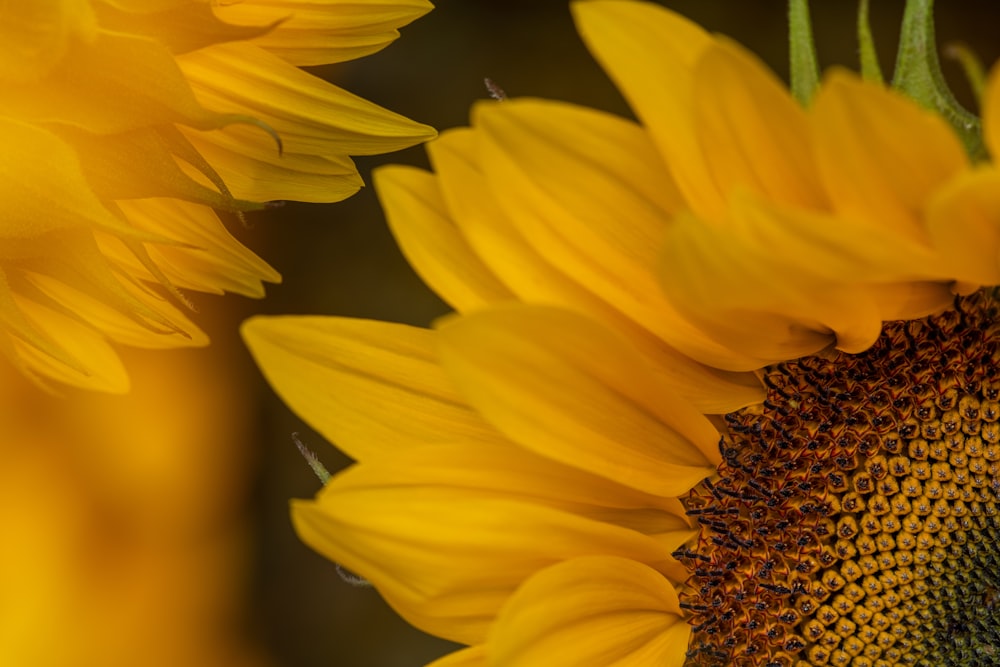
[153, 529]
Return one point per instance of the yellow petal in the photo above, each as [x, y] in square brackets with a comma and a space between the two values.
[252, 168]
[561, 385]
[101, 369]
[597, 610]
[431, 242]
[35, 36]
[650, 53]
[864, 134]
[447, 558]
[964, 224]
[206, 258]
[367, 386]
[780, 283]
[310, 115]
[753, 134]
[474, 656]
[140, 74]
[530, 275]
[318, 32]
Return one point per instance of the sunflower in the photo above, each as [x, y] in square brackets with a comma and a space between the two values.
[129, 127]
[722, 385]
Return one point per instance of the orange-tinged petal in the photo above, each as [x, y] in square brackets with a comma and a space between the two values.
[447, 558]
[879, 154]
[310, 115]
[780, 283]
[596, 610]
[431, 242]
[35, 36]
[317, 32]
[621, 35]
[516, 365]
[753, 135]
[367, 386]
[513, 259]
[964, 225]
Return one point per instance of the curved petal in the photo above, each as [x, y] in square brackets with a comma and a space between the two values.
[650, 53]
[531, 276]
[964, 225]
[433, 245]
[317, 32]
[597, 610]
[515, 364]
[753, 135]
[447, 558]
[310, 115]
[873, 167]
[780, 283]
[367, 386]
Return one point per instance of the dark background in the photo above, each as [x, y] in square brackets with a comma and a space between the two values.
[341, 260]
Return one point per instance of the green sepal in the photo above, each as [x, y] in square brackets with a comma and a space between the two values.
[870, 69]
[804, 67]
[918, 75]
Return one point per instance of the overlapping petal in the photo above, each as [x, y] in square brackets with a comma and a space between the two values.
[126, 123]
[563, 386]
[596, 610]
[557, 243]
[339, 375]
[447, 543]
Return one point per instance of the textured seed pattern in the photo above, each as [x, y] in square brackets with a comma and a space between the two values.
[855, 519]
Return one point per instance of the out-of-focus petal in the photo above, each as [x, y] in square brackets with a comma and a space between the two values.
[316, 32]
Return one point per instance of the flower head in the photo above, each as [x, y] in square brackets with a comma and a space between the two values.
[129, 127]
[722, 384]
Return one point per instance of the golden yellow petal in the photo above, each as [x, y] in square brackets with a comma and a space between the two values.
[310, 115]
[779, 283]
[447, 558]
[101, 369]
[317, 32]
[252, 168]
[431, 242]
[35, 36]
[650, 53]
[512, 257]
[754, 136]
[596, 610]
[565, 387]
[963, 221]
[140, 74]
[512, 472]
[863, 135]
[368, 387]
[206, 257]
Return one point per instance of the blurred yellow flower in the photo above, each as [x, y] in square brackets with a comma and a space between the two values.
[723, 384]
[129, 125]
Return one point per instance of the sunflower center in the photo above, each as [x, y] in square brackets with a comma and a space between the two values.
[855, 519]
